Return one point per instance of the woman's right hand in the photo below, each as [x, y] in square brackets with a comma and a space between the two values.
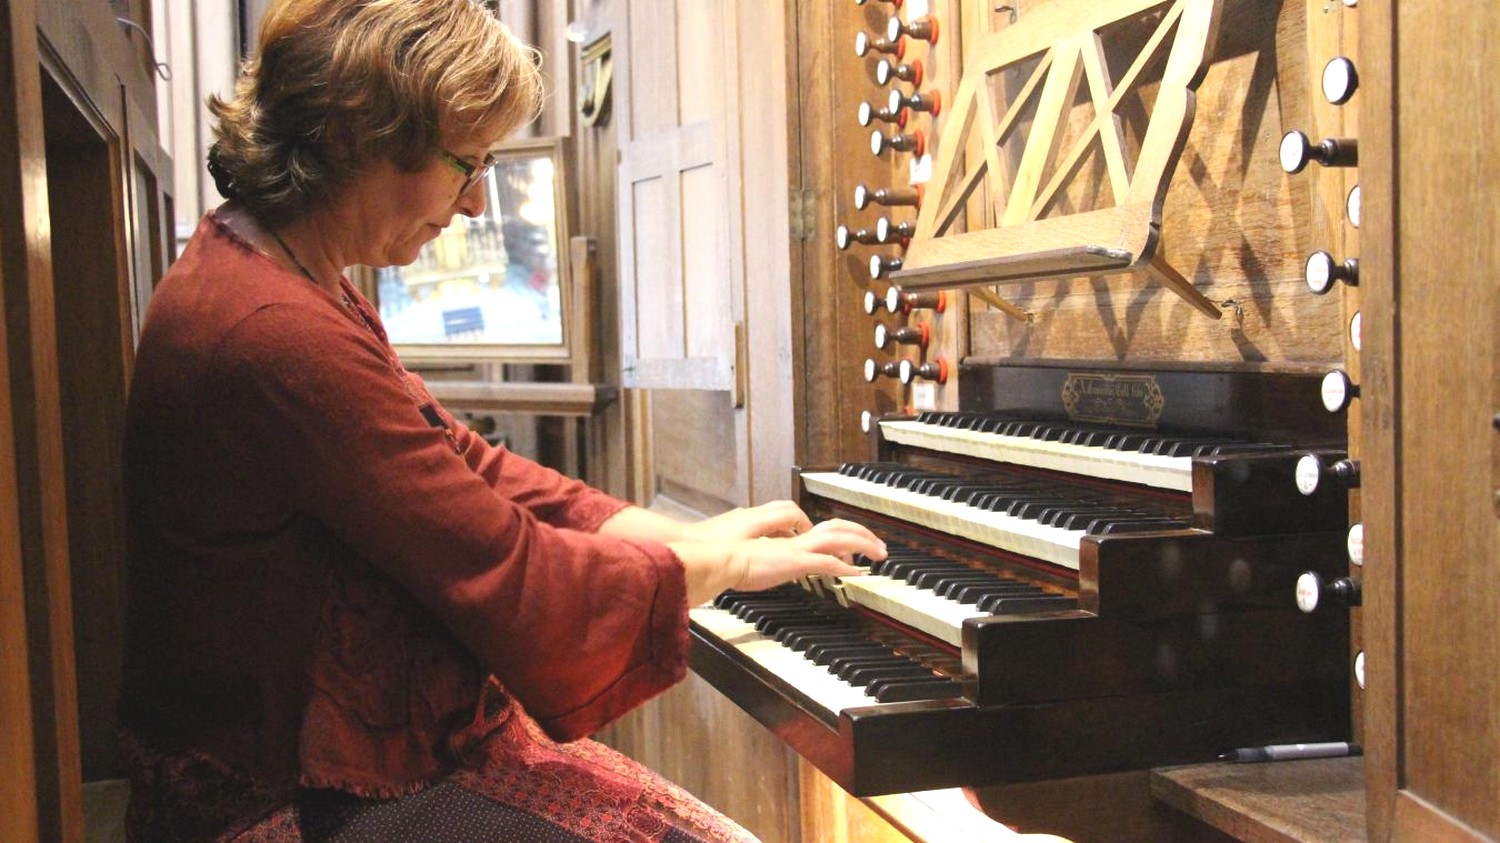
[755, 564]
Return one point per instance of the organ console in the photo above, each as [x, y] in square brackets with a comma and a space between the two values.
[913, 142]
[1297, 151]
[930, 102]
[1088, 573]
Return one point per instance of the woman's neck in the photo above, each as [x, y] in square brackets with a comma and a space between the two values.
[298, 247]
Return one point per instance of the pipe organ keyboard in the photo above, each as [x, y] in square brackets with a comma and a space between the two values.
[1067, 592]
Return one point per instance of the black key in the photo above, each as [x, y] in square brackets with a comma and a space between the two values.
[894, 690]
[1143, 526]
[863, 675]
[1011, 605]
[971, 595]
[824, 654]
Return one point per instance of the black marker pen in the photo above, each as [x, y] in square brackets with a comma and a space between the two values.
[1290, 751]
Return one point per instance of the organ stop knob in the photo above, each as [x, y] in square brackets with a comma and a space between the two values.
[930, 102]
[1322, 271]
[914, 142]
[869, 114]
[1313, 592]
[1338, 391]
[880, 266]
[1297, 151]
[887, 196]
[885, 72]
[1340, 80]
[1313, 472]
[922, 29]
[891, 369]
[844, 237]
[887, 231]
[917, 335]
[864, 44]
[898, 299]
[933, 370]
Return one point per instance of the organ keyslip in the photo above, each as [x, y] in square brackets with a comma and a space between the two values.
[1088, 572]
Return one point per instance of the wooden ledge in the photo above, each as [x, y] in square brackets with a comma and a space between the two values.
[1273, 802]
[545, 399]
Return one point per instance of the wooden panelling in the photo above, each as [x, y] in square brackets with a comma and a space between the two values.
[697, 738]
[18, 803]
[82, 173]
[1430, 304]
[92, 330]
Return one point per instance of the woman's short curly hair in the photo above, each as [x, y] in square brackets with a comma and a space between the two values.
[336, 84]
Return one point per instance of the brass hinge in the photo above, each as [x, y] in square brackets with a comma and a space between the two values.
[804, 214]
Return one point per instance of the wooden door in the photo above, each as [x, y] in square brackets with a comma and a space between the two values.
[1432, 392]
[86, 188]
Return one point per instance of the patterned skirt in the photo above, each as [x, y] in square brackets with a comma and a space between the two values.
[518, 787]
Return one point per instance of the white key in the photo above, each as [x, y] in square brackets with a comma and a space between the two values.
[918, 608]
[825, 689]
[1127, 466]
[996, 529]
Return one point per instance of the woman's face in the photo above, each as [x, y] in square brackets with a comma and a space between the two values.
[393, 213]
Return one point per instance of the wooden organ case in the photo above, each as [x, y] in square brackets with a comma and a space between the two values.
[1060, 604]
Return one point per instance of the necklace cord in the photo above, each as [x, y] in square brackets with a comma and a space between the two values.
[291, 254]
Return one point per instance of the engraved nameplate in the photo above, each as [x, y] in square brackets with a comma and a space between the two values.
[1134, 400]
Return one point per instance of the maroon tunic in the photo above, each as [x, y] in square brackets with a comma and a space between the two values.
[336, 585]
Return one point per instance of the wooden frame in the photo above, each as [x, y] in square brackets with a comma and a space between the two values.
[1025, 244]
[465, 271]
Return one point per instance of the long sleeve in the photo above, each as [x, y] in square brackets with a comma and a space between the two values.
[579, 627]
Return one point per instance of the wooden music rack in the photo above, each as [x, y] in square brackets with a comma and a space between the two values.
[1067, 41]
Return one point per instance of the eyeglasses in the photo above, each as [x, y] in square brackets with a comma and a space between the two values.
[472, 174]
